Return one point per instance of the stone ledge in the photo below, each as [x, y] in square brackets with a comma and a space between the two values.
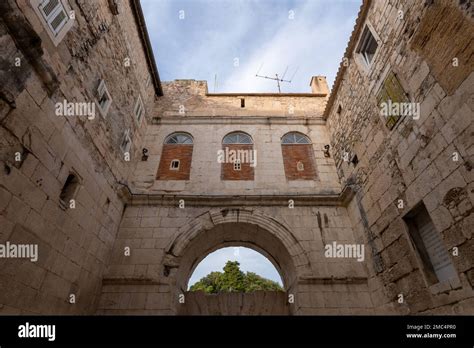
[131, 281]
[333, 280]
[221, 119]
[340, 199]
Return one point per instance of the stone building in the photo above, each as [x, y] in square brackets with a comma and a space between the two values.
[125, 183]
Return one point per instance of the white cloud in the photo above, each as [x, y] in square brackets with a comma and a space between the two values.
[303, 43]
[215, 32]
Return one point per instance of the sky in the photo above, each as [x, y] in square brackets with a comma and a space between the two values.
[235, 39]
[249, 259]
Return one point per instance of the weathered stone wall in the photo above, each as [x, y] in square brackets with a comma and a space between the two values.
[191, 98]
[74, 244]
[416, 160]
[167, 242]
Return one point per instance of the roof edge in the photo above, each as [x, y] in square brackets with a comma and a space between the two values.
[364, 9]
[139, 17]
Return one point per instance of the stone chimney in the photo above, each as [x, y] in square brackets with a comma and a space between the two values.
[319, 85]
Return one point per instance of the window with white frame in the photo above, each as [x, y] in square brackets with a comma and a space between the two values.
[126, 143]
[237, 165]
[103, 98]
[367, 46]
[55, 16]
[139, 110]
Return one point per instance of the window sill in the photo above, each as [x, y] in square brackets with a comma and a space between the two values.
[445, 286]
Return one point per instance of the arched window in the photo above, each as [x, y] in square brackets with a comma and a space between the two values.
[176, 157]
[179, 138]
[295, 138]
[237, 138]
[237, 156]
[298, 157]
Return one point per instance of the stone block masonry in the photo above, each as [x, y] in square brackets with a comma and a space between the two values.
[39, 150]
[119, 230]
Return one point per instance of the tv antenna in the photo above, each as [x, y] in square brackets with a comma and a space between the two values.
[277, 78]
[215, 82]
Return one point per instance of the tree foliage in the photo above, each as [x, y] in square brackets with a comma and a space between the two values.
[234, 280]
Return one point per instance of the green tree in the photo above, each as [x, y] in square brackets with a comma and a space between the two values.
[234, 280]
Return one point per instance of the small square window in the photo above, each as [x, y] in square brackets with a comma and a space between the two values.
[367, 46]
[300, 166]
[103, 98]
[174, 165]
[139, 110]
[237, 165]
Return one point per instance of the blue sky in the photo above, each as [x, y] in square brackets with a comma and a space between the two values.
[249, 259]
[311, 38]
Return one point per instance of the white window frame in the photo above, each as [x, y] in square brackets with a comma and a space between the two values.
[55, 34]
[128, 142]
[139, 106]
[174, 161]
[101, 90]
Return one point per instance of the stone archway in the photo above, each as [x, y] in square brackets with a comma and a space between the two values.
[218, 228]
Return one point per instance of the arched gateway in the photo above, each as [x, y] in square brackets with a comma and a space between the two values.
[219, 228]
